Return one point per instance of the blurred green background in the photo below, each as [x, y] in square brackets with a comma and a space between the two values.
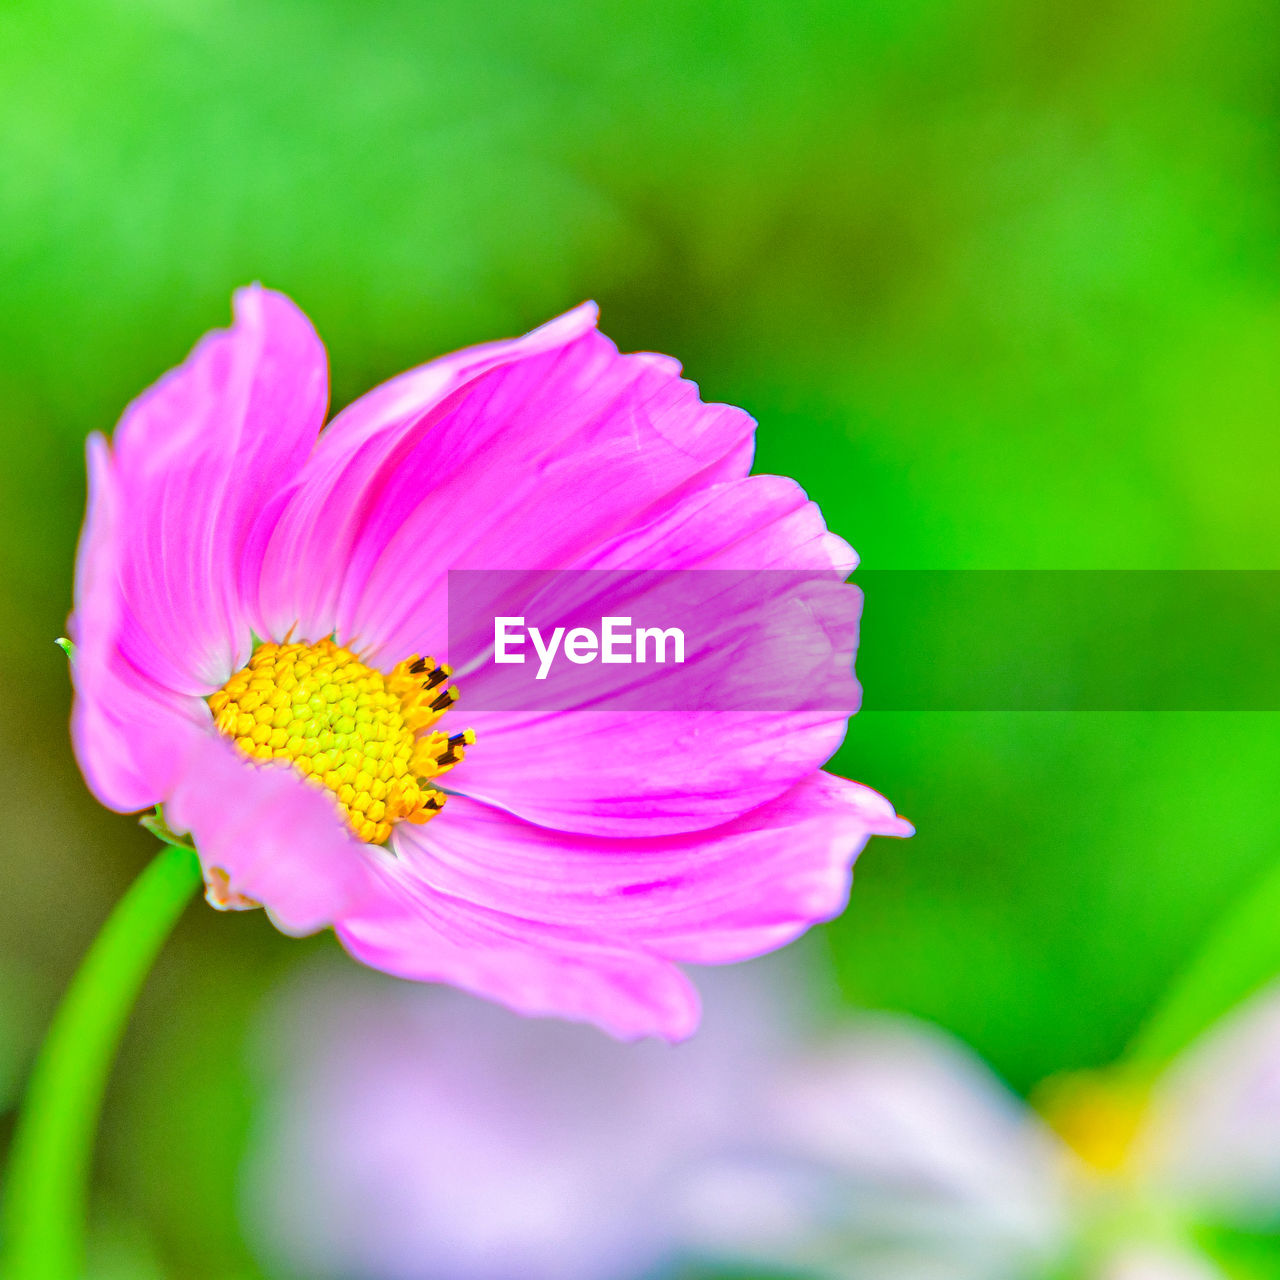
[1000, 282]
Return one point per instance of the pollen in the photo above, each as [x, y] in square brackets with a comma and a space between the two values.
[367, 738]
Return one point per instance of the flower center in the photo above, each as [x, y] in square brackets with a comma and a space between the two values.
[1098, 1115]
[365, 737]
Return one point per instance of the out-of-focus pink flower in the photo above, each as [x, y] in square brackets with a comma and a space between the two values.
[254, 602]
[411, 1134]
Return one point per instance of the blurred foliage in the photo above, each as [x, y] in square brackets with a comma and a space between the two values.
[1242, 1255]
[999, 281]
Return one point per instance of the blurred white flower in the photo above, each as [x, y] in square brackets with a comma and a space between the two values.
[892, 1154]
[1157, 1262]
[419, 1134]
[1212, 1141]
[896, 1155]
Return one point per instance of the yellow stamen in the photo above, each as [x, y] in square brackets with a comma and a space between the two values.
[1098, 1115]
[365, 737]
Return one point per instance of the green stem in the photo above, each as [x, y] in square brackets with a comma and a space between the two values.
[1239, 957]
[46, 1196]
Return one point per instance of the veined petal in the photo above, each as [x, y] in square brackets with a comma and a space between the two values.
[706, 897]
[534, 968]
[755, 523]
[266, 836]
[631, 773]
[640, 773]
[131, 735]
[302, 539]
[526, 454]
[195, 460]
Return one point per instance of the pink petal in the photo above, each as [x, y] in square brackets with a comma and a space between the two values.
[130, 734]
[754, 523]
[631, 773]
[269, 837]
[534, 968]
[524, 454]
[708, 897]
[195, 459]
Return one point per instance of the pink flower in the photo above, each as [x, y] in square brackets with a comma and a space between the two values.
[255, 603]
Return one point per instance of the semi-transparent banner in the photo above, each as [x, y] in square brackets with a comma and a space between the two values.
[776, 640]
[941, 640]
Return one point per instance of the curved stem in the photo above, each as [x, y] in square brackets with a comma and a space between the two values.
[46, 1198]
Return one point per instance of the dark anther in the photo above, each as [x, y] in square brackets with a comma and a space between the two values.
[445, 699]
